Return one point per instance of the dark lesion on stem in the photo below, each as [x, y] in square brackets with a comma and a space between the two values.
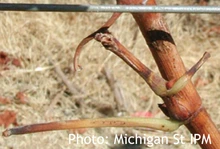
[165, 89]
[159, 35]
[103, 29]
[161, 87]
[156, 83]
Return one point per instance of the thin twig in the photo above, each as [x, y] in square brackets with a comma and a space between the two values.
[74, 90]
[117, 91]
[53, 103]
[70, 85]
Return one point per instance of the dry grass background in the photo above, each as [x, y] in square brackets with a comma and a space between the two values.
[38, 38]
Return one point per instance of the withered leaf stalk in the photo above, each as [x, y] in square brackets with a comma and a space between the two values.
[182, 104]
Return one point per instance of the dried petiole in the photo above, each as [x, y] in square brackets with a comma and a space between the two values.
[160, 86]
[153, 123]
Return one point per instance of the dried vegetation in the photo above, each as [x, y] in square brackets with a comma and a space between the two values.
[42, 44]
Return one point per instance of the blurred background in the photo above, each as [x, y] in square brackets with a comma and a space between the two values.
[36, 48]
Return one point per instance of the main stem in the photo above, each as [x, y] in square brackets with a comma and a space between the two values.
[163, 48]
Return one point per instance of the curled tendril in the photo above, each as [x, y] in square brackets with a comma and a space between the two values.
[103, 29]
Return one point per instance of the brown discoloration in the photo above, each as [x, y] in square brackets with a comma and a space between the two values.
[103, 29]
[156, 83]
[4, 59]
[182, 105]
[164, 51]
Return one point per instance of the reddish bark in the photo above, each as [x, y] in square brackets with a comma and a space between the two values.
[185, 105]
